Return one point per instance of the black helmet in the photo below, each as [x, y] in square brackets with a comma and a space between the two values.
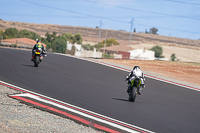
[136, 67]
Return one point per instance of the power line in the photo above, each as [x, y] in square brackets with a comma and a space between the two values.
[196, 4]
[83, 16]
[114, 19]
[39, 15]
[73, 11]
[135, 9]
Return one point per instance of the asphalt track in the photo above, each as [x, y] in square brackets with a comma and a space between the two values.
[162, 107]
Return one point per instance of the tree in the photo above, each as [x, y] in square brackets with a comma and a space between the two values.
[44, 40]
[59, 44]
[134, 30]
[153, 31]
[54, 34]
[87, 47]
[110, 42]
[107, 42]
[1, 33]
[28, 34]
[78, 38]
[1, 36]
[158, 51]
[69, 37]
[173, 57]
[50, 37]
[99, 45]
[10, 33]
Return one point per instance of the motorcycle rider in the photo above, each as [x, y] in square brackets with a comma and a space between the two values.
[131, 77]
[38, 45]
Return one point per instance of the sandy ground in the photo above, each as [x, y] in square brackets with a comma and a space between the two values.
[188, 73]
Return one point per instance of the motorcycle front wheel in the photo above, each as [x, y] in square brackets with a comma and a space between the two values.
[132, 94]
[37, 58]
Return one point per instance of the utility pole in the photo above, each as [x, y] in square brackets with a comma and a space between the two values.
[131, 30]
[100, 31]
[105, 42]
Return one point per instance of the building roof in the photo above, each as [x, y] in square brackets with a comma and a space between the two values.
[21, 41]
[117, 48]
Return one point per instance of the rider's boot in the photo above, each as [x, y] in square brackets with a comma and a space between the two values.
[142, 86]
[139, 90]
[32, 58]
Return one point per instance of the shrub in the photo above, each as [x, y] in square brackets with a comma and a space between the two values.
[158, 51]
[173, 57]
[87, 47]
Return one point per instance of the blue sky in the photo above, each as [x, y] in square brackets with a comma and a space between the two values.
[177, 18]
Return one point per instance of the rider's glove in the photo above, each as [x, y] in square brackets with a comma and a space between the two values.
[127, 78]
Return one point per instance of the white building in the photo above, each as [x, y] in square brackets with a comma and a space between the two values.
[77, 46]
[142, 54]
[80, 52]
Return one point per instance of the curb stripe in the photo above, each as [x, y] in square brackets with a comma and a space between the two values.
[93, 115]
[66, 114]
[135, 130]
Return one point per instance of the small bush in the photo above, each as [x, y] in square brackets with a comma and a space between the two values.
[173, 57]
[158, 51]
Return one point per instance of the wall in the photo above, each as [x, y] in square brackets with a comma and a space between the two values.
[142, 54]
[80, 52]
[93, 54]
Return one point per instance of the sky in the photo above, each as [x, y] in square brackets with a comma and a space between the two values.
[175, 18]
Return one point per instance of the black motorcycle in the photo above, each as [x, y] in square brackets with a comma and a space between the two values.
[134, 89]
[38, 56]
[134, 85]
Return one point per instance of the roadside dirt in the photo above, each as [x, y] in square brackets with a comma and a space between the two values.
[187, 72]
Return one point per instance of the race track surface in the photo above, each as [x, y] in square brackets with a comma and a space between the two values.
[162, 107]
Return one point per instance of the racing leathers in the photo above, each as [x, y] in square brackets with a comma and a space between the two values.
[36, 46]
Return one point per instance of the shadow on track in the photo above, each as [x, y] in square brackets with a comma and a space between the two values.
[125, 100]
[27, 65]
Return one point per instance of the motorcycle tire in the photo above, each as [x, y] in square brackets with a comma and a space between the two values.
[37, 58]
[132, 95]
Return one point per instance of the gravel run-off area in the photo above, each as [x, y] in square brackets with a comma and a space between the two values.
[16, 117]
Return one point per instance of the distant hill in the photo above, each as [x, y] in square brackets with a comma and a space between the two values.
[91, 35]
